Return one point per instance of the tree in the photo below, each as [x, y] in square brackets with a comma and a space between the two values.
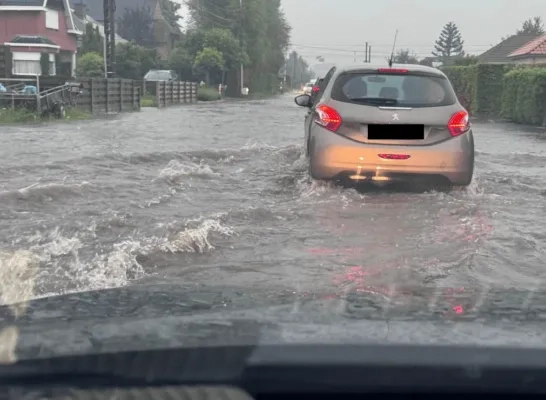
[260, 29]
[207, 61]
[533, 26]
[450, 42]
[466, 61]
[137, 25]
[297, 70]
[92, 40]
[170, 10]
[405, 57]
[44, 63]
[207, 14]
[181, 61]
[90, 65]
[133, 61]
[223, 40]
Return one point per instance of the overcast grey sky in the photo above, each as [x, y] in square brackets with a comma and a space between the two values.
[337, 28]
[348, 24]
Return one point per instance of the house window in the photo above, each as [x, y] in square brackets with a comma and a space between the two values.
[52, 69]
[25, 63]
[52, 19]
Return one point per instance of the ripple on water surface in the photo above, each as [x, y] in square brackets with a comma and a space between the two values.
[213, 207]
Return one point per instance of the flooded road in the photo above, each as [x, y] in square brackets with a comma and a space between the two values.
[214, 195]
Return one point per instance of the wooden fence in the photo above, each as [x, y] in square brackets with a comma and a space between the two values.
[109, 95]
[101, 95]
[171, 93]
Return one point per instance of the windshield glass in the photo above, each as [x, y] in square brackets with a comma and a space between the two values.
[158, 75]
[401, 201]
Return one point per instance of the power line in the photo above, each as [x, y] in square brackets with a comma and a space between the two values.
[382, 45]
[361, 50]
[209, 14]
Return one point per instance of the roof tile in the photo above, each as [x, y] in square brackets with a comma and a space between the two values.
[500, 52]
[534, 47]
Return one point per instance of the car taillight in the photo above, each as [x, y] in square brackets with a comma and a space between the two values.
[328, 118]
[459, 123]
[393, 70]
[315, 89]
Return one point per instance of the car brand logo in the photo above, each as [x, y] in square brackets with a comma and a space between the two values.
[395, 117]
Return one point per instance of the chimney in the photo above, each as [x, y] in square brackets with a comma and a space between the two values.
[80, 8]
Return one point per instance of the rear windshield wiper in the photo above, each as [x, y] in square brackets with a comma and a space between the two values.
[376, 101]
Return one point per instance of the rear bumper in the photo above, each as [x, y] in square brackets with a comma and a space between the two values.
[335, 157]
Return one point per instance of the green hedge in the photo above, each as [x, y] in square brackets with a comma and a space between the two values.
[463, 80]
[524, 96]
[479, 87]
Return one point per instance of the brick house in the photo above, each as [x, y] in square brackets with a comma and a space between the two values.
[165, 35]
[29, 28]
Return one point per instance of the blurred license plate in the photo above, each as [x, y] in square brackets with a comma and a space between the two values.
[396, 132]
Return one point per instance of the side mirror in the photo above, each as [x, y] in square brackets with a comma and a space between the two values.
[303, 100]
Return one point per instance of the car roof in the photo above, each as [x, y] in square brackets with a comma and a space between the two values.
[409, 67]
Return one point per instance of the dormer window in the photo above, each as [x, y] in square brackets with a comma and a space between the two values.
[52, 19]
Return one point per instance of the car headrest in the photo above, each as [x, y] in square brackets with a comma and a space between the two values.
[389, 93]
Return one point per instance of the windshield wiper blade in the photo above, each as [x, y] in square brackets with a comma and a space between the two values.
[376, 101]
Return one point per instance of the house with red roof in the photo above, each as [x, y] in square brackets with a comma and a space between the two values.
[517, 49]
[531, 53]
[30, 28]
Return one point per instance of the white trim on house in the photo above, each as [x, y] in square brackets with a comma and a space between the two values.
[68, 9]
[75, 32]
[73, 64]
[47, 46]
[22, 8]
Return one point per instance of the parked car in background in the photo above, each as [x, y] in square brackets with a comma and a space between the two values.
[155, 75]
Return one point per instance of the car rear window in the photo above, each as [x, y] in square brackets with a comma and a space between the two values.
[405, 90]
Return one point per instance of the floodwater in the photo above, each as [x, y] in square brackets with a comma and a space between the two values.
[212, 196]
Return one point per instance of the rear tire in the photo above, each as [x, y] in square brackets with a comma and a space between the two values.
[471, 175]
[312, 177]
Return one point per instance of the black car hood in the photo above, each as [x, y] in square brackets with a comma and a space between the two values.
[164, 317]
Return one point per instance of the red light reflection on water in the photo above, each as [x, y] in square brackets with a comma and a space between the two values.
[368, 278]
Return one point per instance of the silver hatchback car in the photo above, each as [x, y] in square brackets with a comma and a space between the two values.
[381, 124]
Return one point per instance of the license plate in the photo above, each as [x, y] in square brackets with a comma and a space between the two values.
[396, 132]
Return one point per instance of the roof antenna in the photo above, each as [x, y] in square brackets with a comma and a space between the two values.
[393, 46]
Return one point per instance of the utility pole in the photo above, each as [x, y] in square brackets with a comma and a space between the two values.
[109, 8]
[370, 54]
[294, 70]
[105, 54]
[366, 57]
[241, 40]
